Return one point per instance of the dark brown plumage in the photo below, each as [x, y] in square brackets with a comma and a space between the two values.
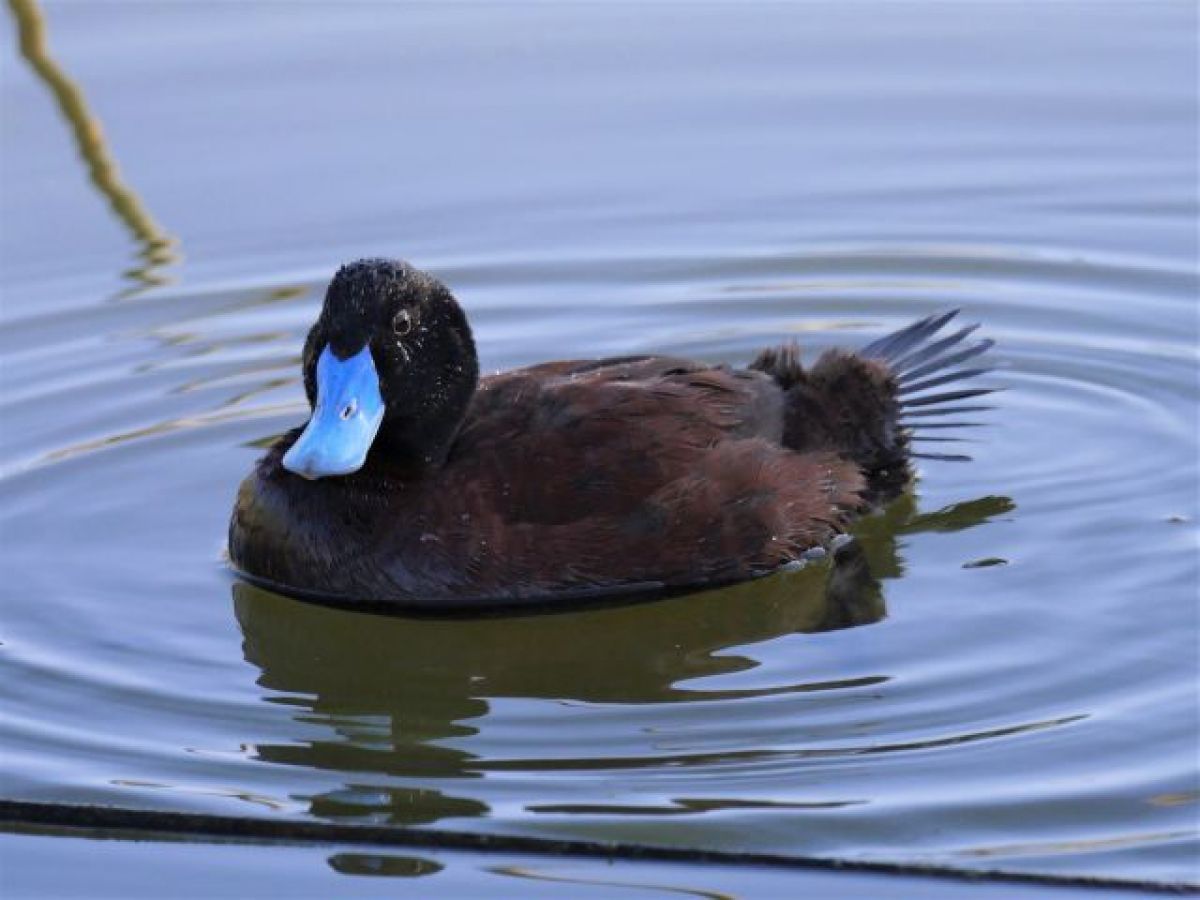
[573, 479]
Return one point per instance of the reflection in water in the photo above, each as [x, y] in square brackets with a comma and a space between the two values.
[158, 247]
[393, 690]
[877, 533]
[383, 864]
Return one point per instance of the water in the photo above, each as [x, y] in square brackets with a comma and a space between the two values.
[1019, 691]
[121, 869]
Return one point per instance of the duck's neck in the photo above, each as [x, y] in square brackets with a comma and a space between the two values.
[420, 442]
[420, 447]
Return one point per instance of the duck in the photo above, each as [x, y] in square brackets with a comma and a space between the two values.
[417, 484]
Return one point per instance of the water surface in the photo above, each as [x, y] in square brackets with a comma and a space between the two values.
[1010, 683]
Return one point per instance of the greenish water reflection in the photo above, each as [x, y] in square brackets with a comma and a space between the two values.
[399, 695]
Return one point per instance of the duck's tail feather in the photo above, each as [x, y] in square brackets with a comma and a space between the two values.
[873, 405]
[920, 361]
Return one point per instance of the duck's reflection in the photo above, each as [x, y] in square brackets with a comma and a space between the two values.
[386, 864]
[393, 691]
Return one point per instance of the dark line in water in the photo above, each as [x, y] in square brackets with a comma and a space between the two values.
[120, 823]
[158, 247]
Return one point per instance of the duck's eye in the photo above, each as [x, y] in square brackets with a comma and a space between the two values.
[403, 323]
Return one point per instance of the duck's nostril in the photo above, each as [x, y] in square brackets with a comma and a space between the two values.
[348, 410]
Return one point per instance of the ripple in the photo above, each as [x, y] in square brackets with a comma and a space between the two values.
[1018, 685]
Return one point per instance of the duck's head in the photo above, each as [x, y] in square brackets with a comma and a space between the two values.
[390, 364]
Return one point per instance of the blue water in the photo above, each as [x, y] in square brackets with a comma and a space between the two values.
[699, 180]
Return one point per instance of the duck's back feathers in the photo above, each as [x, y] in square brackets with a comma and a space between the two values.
[637, 470]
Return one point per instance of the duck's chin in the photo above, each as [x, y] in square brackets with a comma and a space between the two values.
[318, 455]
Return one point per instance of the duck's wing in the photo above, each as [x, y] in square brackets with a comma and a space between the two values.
[614, 410]
[645, 470]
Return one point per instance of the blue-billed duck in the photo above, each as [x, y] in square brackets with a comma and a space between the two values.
[417, 484]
